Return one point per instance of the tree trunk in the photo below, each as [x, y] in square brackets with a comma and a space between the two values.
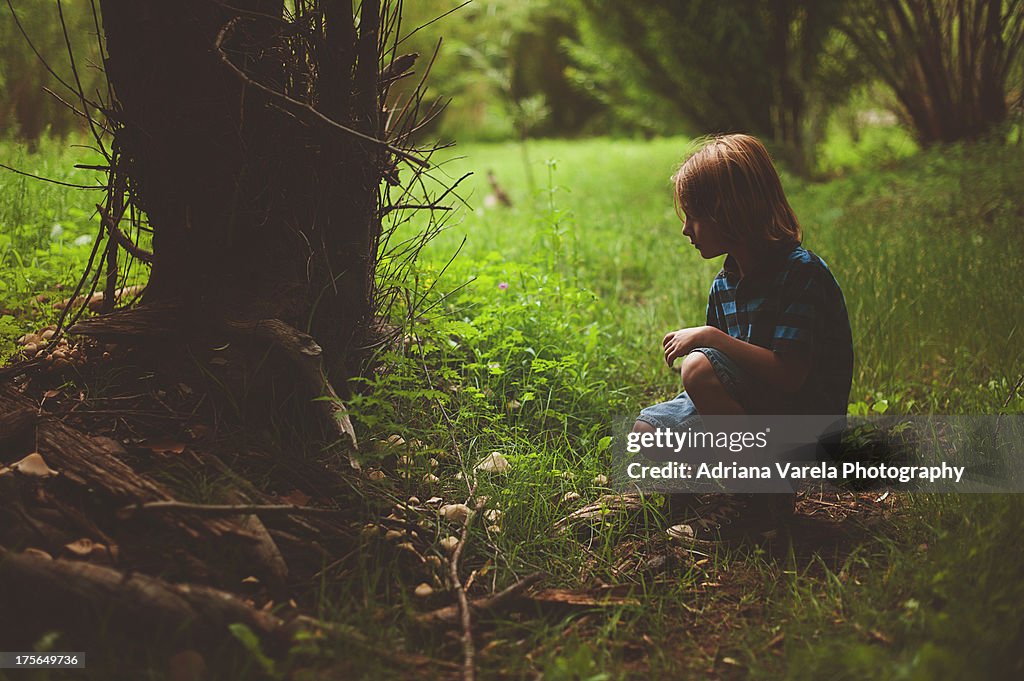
[260, 207]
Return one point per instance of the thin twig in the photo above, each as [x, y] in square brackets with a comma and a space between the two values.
[47, 179]
[437, 18]
[74, 110]
[412, 206]
[465, 616]
[229, 509]
[1013, 393]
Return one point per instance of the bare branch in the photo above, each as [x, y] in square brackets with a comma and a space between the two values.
[51, 181]
[122, 240]
[226, 509]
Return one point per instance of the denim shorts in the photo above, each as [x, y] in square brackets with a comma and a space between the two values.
[679, 412]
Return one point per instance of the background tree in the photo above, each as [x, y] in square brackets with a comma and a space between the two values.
[27, 110]
[948, 61]
[503, 65]
[769, 68]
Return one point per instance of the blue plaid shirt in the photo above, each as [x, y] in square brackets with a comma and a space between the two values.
[793, 304]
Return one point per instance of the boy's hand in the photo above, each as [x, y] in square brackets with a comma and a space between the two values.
[682, 342]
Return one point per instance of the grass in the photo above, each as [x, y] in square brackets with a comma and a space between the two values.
[546, 332]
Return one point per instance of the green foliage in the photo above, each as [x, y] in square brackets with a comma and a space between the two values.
[25, 108]
[251, 642]
[516, 351]
[46, 234]
[770, 69]
[940, 610]
[501, 66]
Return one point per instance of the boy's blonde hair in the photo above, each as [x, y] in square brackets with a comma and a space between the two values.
[731, 181]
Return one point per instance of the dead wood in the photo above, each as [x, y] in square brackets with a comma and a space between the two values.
[76, 597]
[95, 465]
[216, 510]
[302, 352]
[16, 430]
[150, 320]
[450, 614]
[85, 600]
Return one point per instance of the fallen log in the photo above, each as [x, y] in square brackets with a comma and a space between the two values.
[76, 597]
[86, 601]
[95, 463]
[15, 430]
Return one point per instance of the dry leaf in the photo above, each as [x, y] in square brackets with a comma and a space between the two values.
[86, 548]
[81, 547]
[165, 446]
[876, 635]
[39, 553]
[33, 465]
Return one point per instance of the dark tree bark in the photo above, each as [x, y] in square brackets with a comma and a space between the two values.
[261, 206]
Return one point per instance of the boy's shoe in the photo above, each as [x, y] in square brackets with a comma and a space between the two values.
[731, 517]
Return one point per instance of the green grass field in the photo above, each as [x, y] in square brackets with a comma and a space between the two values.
[545, 330]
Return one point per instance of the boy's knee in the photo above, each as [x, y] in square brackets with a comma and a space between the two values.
[697, 373]
[642, 427]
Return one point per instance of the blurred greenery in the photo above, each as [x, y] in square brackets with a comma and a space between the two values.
[27, 111]
[516, 69]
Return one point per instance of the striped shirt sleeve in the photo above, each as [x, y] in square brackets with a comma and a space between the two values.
[713, 318]
[801, 308]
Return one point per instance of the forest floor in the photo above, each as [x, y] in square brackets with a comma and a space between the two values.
[533, 343]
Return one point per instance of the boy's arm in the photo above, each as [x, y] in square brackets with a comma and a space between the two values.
[785, 371]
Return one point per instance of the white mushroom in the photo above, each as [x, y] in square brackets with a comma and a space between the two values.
[494, 462]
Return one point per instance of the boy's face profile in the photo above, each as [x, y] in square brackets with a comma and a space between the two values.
[705, 236]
